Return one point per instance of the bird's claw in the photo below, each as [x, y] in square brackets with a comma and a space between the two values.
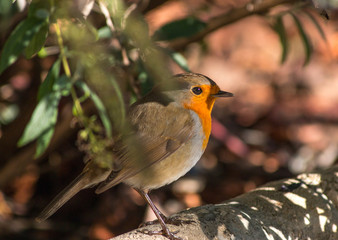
[150, 232]
[170, 235]
[178, 222]
[173, 221]
[149, 223]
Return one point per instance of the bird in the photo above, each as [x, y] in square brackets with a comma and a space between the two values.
[170, 129]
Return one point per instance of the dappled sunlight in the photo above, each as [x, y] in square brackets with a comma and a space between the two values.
[281, 122]
[334, 227]
[277, 204]
[296, 199]
[254, 208]
[310, 178]
[231, 203]
[267, 235]
[323, 220]
[278, 232]
[307, 219]
[244, 221]
[290, 209]
[263, 189]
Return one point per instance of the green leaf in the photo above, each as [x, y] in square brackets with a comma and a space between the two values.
[113, 100]
[306, 41]
[47, 85]
[5, 8]
[317, 25]
[45, 113]
[43, 118]
[92, 31]
[99, 105]
[105, 33]
[39, 9]
[19, 40]
[103, 114]
[146, 83]
[280, 30]
[43, 141]
[38, 41]
[25, 32]
[62, 86]
[180, 28]
[180, 60]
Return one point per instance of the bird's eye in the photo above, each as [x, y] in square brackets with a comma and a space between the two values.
[197, 90]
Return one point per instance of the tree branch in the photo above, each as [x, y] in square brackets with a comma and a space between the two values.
[227, 18]
[304, 207]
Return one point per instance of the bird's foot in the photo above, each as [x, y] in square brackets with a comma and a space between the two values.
[167, 233]
[173, 221]
[165, 219]
[178, 222]
[149, 223]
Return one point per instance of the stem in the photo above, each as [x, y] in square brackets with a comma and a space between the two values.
[86, 123]
[62, 49]
[66, 68]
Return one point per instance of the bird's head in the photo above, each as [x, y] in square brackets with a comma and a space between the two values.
[196, 91]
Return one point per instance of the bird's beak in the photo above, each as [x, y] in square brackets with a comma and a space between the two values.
[223, 94]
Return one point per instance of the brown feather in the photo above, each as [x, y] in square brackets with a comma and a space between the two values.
[156, 143]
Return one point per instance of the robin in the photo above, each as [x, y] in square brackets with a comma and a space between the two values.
[171, 128]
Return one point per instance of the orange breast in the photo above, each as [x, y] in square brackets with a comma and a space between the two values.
[203, 106]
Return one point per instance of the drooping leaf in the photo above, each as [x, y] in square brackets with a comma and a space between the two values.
[5, 7]
[99, 105]
[119, 105]
[42, 123]
[104, 33]
[47, 85]
[43, 141]
[24, 33]
[43, 118]
[39, 9]
[62, 86]
[317, 25]
[19, 40]
[86, 91]
[180, 60]
[306, 41]
[37, 41]
[180, 28]
[280, 30]
[92, 31]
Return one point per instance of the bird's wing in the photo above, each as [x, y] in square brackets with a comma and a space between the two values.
[158, 136]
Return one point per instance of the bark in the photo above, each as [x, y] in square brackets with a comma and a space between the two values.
[304, 207]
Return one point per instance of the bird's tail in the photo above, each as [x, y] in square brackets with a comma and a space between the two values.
[73, 188]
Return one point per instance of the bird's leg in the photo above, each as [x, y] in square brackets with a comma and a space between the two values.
[164, 217]
[173, 220]
[160, 216]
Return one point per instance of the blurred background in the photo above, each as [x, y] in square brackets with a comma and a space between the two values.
[281, 122]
